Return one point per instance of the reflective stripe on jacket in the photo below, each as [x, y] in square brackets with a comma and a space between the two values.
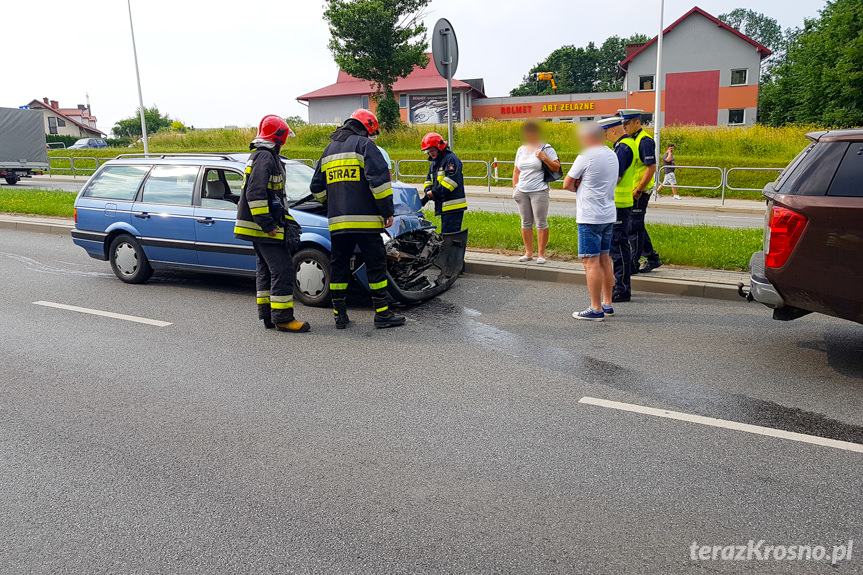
[261, 208]
[354, 180]
[446, 182]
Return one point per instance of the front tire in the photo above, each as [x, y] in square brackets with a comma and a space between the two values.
[12, 180]
[312, 281]
[128, 260]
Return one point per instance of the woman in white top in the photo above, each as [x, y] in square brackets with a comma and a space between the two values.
[530, 190]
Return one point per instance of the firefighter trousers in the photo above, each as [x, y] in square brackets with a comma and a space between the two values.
[375, 258]
[275, 282]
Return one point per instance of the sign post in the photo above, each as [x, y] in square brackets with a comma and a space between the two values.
[445, 55]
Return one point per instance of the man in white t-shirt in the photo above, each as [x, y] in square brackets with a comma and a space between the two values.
[593, 177]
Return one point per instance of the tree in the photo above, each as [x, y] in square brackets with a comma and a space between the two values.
[760, 27]
[296, 121]
[819, 79]
[576, 69]
[379, 41]
[131, 127]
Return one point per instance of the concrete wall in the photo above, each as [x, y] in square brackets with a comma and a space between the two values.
[697, 45]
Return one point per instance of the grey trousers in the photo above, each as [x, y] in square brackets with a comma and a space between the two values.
[533, 208]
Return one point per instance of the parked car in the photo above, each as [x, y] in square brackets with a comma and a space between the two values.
[812, 259]
[176, 211]
[88, 143]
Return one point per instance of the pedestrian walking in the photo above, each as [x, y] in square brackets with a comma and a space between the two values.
[445, 183]
[593, 177]
[669, 179]
[644, 164]
[264, 220]
[621, 252]
[354, 180]
[536, 163]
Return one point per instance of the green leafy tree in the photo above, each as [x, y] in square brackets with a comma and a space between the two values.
[131, 127]
[820, 77]
[760, 27]
[577, 69]
[379, 41]
[295, 121]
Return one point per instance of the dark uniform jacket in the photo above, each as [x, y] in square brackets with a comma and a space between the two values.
[446, 182]
[354, 180]
[262, 207]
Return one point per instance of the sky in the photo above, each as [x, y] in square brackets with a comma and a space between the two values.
[213, 63]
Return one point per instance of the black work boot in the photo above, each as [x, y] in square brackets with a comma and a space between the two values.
[650, 266]
[340, 311]
[268, 323]
[388, 319]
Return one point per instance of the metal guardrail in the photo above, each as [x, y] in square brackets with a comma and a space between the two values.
[731, 188]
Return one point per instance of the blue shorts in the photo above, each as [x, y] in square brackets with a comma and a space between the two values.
[594, 239]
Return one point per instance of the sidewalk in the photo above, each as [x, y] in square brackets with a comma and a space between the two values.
[696, 282]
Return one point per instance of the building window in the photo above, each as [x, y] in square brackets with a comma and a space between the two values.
[403, 100]
[736, 116]
[647, 119]
[61, 122]
[52, 125]
[645, 83]
[364, 102]
[739, 77]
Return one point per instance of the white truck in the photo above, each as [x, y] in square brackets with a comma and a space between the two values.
[23, 151]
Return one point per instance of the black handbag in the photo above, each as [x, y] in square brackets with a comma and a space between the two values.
[547, 175]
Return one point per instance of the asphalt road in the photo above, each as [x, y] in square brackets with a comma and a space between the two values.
[455, 444]
[65, 185]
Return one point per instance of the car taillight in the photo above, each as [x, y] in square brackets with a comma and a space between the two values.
[785, 227]
[75, 213]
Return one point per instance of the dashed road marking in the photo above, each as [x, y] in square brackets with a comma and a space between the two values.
[725, 424]
[110, 314]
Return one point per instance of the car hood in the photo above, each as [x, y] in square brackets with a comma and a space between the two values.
[406, 199]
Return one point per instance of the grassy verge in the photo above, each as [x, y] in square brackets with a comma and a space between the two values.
[38, 202]
[696, 246]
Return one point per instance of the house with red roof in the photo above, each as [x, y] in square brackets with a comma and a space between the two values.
[78, 122]
[421, 96]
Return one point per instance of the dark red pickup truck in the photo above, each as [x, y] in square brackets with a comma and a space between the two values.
[812, 259]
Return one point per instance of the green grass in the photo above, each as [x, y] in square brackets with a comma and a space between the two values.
[755, 146]
[39, 202]
[696, 246]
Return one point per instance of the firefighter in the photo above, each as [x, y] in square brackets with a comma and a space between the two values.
[262, 218]
[444, 183]
[645, 168]
[354, 181]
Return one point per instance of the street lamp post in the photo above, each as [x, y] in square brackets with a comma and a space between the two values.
[657, 106]
[138, 75]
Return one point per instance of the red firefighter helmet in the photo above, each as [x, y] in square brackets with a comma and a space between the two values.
[274, 129]
[433, 140]
[368, 120]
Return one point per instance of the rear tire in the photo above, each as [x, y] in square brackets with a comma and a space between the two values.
[12, 180]
[312, 282]
[128, 260]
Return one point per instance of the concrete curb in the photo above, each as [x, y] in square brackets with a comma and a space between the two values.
[474, 264]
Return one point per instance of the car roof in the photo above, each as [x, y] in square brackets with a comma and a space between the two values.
[209, 159]
[836, 136]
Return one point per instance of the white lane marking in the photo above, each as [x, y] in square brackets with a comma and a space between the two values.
[757, 429]
[110, 314]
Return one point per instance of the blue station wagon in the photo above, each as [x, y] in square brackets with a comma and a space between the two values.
[176, 212]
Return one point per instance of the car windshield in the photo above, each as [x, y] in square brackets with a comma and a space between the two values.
[298, 176]
[82, 142]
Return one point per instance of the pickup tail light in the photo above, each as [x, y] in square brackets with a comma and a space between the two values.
[785, 227]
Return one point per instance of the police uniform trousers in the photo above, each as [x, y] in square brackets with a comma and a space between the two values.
[275, 281]
[621, 253]
[639, 239]
[375, 258]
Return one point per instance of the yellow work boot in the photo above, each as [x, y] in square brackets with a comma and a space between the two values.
[294, 326]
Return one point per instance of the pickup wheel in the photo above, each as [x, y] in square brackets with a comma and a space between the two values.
[312, 282]
[128, 260]
[12, 180]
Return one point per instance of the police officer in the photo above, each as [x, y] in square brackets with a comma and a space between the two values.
[444, 183]
[645, 170]
[354, 180]
[262, 217]
[621, 254]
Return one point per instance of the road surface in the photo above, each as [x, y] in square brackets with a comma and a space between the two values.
[476, 439]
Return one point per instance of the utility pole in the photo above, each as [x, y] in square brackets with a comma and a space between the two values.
[138, 75]
[657, 108]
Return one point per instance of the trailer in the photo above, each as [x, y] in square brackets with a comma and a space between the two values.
[23, 151]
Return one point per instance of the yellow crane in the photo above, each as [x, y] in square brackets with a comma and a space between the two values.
[545, 77]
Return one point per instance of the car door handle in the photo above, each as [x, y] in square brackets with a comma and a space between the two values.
[143, 215]
[206, 221]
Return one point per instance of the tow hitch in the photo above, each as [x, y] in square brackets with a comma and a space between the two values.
[744, 294]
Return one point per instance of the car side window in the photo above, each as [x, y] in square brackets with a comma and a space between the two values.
[222, 189]
[172, 185]
[117, 183]
[298, 176]
[814, 172]
[848, 181]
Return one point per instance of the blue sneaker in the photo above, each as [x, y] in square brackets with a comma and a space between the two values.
[607, 310]
[589, 314]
